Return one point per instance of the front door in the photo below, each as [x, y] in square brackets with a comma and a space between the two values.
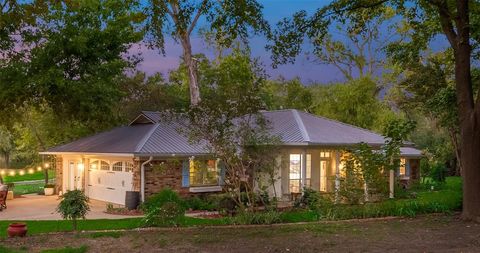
[75, 171]
[323, 175]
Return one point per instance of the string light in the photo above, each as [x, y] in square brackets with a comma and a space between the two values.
[11, 173]
[3, 172]
[39, 168]
[31, 171]
[21, 173]
[46, 165]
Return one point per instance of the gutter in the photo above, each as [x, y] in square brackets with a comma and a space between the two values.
[142, 178]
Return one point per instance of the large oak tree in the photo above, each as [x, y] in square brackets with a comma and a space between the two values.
[426, 20]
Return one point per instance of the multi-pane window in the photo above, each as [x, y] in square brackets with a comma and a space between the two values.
[94, 165]
[203, 173]
[403, 168]
[128, 167]
[295, 172]
[325, 154]
[104, 165]
[118, 166]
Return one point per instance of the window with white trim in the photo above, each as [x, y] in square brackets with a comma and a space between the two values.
[295, 172]
[94, 165]
[118, 166]
[128, 167]
[104, 165]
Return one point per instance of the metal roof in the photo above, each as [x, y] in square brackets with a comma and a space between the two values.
[160, 136]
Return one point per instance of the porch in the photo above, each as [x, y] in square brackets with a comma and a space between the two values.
[39, 207]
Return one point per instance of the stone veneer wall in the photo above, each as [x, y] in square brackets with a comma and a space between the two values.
[58, 173]
[136, 174]
[169, 176]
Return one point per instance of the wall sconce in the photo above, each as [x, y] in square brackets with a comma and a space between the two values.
[80, 166]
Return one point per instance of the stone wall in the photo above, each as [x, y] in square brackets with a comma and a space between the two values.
[58, 173]
[164, 174]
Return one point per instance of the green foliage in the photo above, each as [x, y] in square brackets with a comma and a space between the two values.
[209, 203]
[165, 208]
[73, 206]
[250, 218]
[288, 94]
[354, 102]
[438, 172]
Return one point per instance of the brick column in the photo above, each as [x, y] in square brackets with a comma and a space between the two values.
[58, 174]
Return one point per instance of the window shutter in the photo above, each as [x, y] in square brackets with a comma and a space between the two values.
[185, 174]
[221, 178]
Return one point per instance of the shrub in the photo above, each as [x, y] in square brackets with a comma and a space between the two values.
[249, 218]
[438, 172]
[74, 205]
[164, 209]
[202, 203]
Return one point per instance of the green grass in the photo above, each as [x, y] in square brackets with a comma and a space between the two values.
[27, 188]
[37, 175]
[445, 200]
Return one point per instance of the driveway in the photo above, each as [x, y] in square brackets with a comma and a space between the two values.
[38, 207]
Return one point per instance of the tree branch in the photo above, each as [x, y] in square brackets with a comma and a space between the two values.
[446, 21]
[197, 16]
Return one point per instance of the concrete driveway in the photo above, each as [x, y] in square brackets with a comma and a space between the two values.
[38, 207]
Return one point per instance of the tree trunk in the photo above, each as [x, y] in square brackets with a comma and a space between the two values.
[192, 70]
[469, 116]
[456, 146]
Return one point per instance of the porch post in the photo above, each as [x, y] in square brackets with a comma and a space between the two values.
[337, 175]
[392, 179]
[303, 182]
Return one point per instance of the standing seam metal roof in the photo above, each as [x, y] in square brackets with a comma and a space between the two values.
[162, 136]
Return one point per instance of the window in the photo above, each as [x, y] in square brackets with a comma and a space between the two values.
[324, 154]
[203, 173]
[403, 168]
[118, 166]
[295, 172]
[128, 167]
[94, 165]
[104, 165]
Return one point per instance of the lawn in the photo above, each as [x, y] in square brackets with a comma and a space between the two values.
[37, 175]
[20, 189]
[431, 233]
[445, 200]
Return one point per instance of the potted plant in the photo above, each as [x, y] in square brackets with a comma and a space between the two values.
[49, 189]
[17, 229]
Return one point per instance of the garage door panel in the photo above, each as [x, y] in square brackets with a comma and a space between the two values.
[108, 185]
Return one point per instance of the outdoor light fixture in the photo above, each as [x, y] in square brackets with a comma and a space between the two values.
[46, 165]
[31, 171]
[80, 166]
[39, 168]
[12, 173]
[2, 172]
[21, 173]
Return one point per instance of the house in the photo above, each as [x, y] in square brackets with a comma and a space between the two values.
[150, 154]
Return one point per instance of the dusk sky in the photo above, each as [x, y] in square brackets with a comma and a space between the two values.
[274, 10]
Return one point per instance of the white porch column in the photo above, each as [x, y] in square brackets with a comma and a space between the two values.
[392, 179]
[303, 182]
[337, 175]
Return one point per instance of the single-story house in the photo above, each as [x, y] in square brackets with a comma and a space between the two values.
[150, 154]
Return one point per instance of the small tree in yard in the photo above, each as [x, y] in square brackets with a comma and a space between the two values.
[74, 205]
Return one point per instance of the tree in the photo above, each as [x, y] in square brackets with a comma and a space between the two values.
[228, 20]
[6, 145]
[458, 21]
[353, 102]
[75, 53]
[73, 206]
[427, 87]
[291, 94]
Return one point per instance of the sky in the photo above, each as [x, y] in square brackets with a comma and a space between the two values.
[274, 11]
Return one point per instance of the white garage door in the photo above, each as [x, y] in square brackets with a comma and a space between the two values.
[109, 181]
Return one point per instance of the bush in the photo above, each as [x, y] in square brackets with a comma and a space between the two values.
[438, 172]
[74, 205]
[249, 218]
[209, 203]
[165, 208]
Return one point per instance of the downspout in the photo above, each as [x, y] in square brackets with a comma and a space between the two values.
[142, 178]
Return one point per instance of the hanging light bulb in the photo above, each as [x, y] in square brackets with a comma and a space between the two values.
[46, 165]
[31, 171]
[39, 168]
[21, 173]
[3, 172]
[11, 173]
